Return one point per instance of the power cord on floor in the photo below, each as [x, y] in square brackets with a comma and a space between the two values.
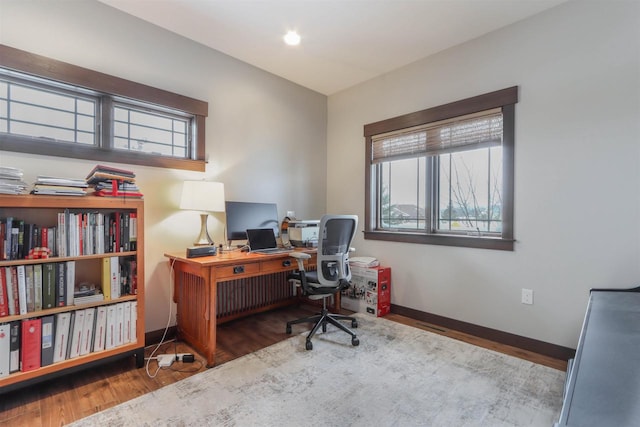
[168, 362]
[166, 329]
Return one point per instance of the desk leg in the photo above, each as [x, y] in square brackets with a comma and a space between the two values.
[211, 294]
[336, 303]
[195, 296]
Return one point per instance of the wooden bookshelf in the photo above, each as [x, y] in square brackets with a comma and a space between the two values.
[43, 211]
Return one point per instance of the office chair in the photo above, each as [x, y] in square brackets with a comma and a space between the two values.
[332, 276]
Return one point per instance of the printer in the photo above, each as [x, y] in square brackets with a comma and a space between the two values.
[303, 233]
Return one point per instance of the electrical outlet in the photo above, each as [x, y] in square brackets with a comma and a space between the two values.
[527, 296]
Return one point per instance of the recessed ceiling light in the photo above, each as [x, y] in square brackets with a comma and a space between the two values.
[292, 38]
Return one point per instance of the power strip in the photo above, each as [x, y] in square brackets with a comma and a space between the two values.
[166, 360]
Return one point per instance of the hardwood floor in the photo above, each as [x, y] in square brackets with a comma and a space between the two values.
[68, 398]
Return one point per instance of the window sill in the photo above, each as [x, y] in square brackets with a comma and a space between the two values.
[481, 242]
[17, 144]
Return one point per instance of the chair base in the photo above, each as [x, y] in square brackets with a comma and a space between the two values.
[321, 320]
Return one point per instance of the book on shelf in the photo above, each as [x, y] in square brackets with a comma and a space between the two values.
[126, 326]
[5, 349]
[14, 346]
[48, 285]
[11, 181]
[7, 172]
[114, 277]
[62, 182]
[87, 293]
[134, 321]
[48, 336]
[88, 299]
[31, 344]
[31, 290]
[11, 279]
[106, 277]
[75, 333]
[58, 190]
[4, 302]
[22, 288]
[110, 335]
[62, 322]
[119, 325]
[87, 331]
[111, 170]
[61, 284]
[99, 336]
[71, 282]
[37, 286]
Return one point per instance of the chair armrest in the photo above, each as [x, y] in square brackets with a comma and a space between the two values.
[300, 257]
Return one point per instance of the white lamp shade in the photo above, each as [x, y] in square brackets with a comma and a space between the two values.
[202, 196]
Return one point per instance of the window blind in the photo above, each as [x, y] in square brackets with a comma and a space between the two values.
[477, 130]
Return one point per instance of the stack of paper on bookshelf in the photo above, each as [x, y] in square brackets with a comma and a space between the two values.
[59, 186]
[113, 182]
[11, 181]
[87, 293]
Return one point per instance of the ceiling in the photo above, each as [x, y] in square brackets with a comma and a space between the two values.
[344, 42]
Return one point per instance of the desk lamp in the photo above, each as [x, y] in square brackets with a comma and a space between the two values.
[203, 196]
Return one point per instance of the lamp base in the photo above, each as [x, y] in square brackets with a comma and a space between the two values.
[203, 239]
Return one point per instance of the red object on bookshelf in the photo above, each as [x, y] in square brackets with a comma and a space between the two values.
[30, 344]
[4, 302]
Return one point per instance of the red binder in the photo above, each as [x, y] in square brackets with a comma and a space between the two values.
[31, 344]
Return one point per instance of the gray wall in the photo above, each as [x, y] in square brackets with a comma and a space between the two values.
[577, 168]
[265, 139]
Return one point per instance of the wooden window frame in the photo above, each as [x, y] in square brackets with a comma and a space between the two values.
[504, 99]
[47, 68]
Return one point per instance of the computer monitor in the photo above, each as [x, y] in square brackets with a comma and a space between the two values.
[242, 216]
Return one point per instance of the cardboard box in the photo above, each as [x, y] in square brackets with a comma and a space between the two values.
[370, 291]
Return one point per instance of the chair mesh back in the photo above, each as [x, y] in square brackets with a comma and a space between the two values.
[336, 235]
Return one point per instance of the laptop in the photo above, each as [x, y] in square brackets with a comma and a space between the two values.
[263, 241]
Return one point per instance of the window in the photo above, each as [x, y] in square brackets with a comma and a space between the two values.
[151, 132]
[52, 108]
[444, 175]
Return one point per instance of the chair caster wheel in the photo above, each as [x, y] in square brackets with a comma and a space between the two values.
[324, 327]
[288, 331]
[308, 345]
[355, 342]
[354, 323]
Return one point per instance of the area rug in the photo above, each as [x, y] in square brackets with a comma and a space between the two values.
[398, 376]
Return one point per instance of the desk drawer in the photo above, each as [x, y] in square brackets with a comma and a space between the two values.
[278, 265]
[238, 270]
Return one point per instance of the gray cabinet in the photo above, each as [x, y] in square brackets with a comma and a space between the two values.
[603, 387]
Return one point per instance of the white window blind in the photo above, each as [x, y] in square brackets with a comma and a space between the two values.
[481, 129]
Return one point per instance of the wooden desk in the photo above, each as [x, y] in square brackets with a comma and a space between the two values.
[217, 289]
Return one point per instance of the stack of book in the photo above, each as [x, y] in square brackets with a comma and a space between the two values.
[11, 181]
[113, 182]
[87, 293]
[59, 186]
